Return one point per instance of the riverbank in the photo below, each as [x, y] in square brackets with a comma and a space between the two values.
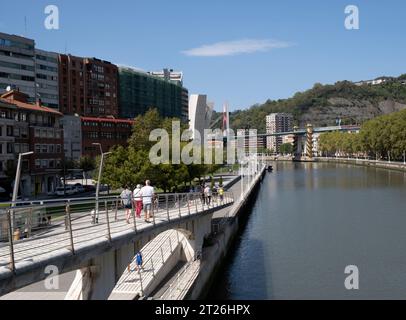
[398, 166]
[228, 225]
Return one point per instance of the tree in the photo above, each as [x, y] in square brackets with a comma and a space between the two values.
[87, 163]
[131, 165]
[286, 148]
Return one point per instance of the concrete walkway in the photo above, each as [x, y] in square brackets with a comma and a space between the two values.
[132, 284]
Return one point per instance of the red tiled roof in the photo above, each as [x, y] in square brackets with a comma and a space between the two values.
[107, 120]
[29, 106]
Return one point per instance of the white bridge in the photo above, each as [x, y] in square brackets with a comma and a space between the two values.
[60, 234]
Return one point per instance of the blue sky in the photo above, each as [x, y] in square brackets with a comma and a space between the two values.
[243, 52]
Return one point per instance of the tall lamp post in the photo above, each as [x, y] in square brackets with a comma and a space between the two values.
[96, 215]
[17, 184]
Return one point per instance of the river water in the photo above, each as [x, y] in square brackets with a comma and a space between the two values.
[310, 221]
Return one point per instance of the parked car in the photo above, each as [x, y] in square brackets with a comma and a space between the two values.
[67, 190]
[89, 188]
[79, 188]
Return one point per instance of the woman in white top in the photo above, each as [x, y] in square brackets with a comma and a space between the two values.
[137, 200]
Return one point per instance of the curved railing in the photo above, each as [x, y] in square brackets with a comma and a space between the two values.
[34, 228]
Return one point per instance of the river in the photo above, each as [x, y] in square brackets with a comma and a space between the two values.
[311, 220]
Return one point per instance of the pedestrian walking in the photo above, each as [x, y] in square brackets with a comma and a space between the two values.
[147, 194]
[221, 193]
[208, 194]
[137, 200]
[126, 196]
[138, 262]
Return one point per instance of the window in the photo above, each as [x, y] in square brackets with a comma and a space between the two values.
[44, 148]
[25, 147]
[9, 147]
[37, 163]
[37, 148]
[44, 163]
[58, 148]
[16, 132]
[37, 133]
[50, 134]
[24, 132]
[9, 131]
[43, 133]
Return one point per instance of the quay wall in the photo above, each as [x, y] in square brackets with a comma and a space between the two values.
[214, 256]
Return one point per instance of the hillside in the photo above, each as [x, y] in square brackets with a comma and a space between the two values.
[323, 104]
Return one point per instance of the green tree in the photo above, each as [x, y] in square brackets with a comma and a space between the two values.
[286, 148]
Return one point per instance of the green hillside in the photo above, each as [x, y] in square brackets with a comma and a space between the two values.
[323, 104]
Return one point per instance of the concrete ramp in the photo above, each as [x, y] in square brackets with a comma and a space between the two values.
[160, 256]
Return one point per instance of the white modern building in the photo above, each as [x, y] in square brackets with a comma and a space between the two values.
[46, 77]
[277, 123]
[17, 64]
[200, 113]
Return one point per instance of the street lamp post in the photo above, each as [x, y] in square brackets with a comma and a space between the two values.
[96, 214]
[17, 184]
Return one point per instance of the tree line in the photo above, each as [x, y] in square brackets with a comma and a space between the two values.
[381, 137]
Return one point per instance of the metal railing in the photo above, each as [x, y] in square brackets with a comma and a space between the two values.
[32, 229]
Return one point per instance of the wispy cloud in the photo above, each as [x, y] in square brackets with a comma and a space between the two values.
[231, 48]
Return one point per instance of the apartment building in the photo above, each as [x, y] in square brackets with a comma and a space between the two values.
[277, 123]
[31, 127]
[141, 91]
[108, 132]
[87, 87]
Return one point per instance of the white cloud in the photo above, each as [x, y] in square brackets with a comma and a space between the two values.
[230, 48]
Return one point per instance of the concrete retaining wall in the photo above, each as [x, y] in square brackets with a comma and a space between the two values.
[215, 255]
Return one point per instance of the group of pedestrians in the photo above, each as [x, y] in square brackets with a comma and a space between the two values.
[141, 198]
[207, 194]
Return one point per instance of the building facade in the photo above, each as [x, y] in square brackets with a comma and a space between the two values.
[32, 127]
[17, 64]
[72, 133]
[200, 113]
[176, 77]
[87, 87]
[107, 132]
[277, 123]
[141, 91]
[46, 78]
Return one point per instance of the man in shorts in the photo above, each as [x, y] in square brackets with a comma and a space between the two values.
[147, 194]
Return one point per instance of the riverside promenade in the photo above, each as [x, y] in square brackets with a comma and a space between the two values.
[400, 166]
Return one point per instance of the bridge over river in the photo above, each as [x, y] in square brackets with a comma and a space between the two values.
[60, 233]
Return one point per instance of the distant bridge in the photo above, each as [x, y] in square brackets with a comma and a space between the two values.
[301, 132]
